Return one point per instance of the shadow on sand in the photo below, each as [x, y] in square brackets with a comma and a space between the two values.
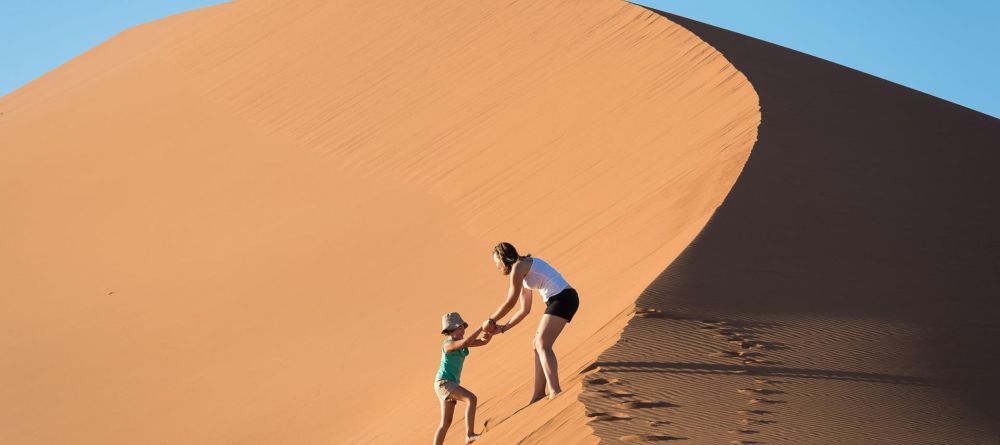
[861, 198]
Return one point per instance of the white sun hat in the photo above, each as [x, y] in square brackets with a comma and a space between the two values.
[451, 321]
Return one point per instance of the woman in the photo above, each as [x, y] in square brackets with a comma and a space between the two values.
[561, 302]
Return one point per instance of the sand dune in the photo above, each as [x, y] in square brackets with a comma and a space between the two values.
[845, 292]
[241, 224]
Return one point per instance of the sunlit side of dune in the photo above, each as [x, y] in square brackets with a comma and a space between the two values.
[242, 224]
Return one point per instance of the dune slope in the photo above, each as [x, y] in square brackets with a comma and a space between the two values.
[242, 224]
[845, 292]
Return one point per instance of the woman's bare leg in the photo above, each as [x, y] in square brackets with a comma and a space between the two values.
[548, 330]
[447, 411]
[539, 390]
[467, 396]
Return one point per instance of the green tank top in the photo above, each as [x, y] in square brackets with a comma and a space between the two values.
[451, 363]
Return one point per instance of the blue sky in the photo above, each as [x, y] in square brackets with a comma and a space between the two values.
[949, 49]
[945, 48]
[39, 35]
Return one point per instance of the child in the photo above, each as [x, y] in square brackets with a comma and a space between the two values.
[446, 384]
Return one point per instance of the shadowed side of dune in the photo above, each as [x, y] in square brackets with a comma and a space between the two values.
[861, 237]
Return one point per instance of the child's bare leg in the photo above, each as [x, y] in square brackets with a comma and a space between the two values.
[447, 412]
[467, 396]
[539, 391]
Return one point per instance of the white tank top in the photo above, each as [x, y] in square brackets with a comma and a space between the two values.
[544, 279]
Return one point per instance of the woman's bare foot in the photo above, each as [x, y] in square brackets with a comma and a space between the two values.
[536, 398]
[472, 438]
[553, 394]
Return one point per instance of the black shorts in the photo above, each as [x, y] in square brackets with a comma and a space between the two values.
[564, 304]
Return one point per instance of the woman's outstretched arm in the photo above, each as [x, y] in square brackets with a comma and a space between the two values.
[521, 313]
[516, 283]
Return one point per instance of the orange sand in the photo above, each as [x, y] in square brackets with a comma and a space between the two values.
[241, 224]
[846, 292]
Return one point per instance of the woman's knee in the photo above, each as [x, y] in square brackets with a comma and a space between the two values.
[540, 345]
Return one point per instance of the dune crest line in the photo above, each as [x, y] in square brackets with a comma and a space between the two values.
[845, 290]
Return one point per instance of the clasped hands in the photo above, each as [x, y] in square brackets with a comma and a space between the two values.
[491, 327]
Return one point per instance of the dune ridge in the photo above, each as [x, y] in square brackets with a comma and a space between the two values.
[845, 290]
[241, 224]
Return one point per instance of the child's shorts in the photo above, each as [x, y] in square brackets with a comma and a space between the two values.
[443, 388]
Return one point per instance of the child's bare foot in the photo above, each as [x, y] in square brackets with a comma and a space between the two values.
[553, 394]
[472, 438]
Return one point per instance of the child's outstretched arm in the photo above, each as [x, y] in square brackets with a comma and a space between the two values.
[463, 343]
[487, 336]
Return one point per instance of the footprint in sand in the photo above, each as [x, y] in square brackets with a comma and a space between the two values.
[656, 313]
[655, 423]
[743, 431]
[729, 354]
[616, 393]
[714, 325]
[757, 422]
[648, 438]
[639, 404]
[602, 381]
[765, 392]
[766, 401]
[767, 382]
[609, 417]
[731, 338]
[758, 412]
[769, 345]
[743, 442]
